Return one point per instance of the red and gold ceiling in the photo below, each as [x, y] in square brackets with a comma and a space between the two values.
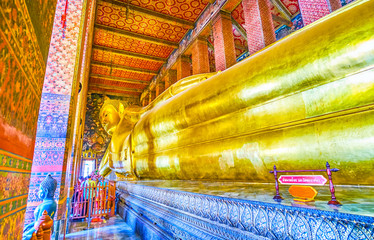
[134, 38]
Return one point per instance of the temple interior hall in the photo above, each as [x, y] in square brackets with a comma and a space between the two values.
[187, 119]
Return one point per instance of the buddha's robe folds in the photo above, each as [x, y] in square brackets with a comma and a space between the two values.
[298, 103]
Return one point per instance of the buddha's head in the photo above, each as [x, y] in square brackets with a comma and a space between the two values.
[47, 187]
[110, 115]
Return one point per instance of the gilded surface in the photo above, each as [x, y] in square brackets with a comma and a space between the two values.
[296, 107]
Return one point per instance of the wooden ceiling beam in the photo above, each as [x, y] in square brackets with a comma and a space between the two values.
[281, 20]
[153, 14]
[138, 36]
[118, 79]
[130, 54]
[282, 9]
[109, 92]
[240, 29]
[106, 87]
[125, 68]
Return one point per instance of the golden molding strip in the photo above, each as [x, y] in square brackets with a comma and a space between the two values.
[10, 169]
[14, 211]
[15, 156]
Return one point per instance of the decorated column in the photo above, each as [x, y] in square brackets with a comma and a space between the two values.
[314, 10]
[160, 87]
[200, 56]
[183, 67]
[54, 136]
[170, 78]
[152, 95]
[258, 24]
[224, 48]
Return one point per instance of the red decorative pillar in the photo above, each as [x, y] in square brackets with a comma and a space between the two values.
[144, 102]
[170, 78]
[200, 57]
[314, 10]
[160, 87]
[224, 47]
[152, 95]
[183, 67]
[258, 24]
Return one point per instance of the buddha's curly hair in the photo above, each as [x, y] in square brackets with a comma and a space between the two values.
[50, 184]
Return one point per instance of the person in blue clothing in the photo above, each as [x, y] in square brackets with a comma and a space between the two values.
[89, 193]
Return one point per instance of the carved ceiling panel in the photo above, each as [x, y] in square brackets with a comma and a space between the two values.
[112, 83]
[93, 88]
[118, 59]
[114, 72]
[185, 9]
[117, 41]
[115, 16]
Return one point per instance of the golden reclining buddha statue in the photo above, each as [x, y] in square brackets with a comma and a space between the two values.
[297, 104]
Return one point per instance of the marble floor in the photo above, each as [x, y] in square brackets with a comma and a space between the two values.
[357, 200]
[114, 229]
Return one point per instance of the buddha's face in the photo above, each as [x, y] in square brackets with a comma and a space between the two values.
[42, 193]
[109, 119]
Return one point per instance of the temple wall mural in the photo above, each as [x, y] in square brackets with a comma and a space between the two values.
[52, 138]
[95, 138]
[25, 32]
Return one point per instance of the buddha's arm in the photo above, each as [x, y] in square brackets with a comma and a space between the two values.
[104, 168]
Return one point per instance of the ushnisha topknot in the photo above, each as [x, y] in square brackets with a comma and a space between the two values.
[50, 184]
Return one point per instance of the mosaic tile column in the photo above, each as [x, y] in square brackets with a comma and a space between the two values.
[152, 95]
[258, 24]
[312, 10]
[183, 67]
[160, 88]
[51, 146]
[200, 56]
[170, 78]
[224, 47]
